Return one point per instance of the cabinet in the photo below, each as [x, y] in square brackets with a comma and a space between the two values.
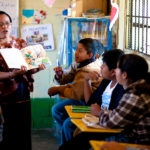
[77, 28]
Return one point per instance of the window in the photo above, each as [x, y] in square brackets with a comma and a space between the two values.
[138, 26]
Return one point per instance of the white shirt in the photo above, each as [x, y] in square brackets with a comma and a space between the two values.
[106, 96]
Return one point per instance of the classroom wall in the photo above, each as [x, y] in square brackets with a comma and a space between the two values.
[41, 103]
[44, 79]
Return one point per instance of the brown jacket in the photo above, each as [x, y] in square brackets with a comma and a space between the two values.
[75, 90]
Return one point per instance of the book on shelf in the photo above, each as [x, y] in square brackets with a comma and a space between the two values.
[30, 56]
[81, 109]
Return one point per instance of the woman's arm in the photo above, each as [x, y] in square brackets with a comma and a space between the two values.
[41, 67]
[13, 74]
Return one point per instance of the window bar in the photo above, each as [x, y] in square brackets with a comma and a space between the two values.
[129, 41]
[146, 26]
[139, 28]
[143, 5]
[135, 26]
[127, 28]
[131, 24]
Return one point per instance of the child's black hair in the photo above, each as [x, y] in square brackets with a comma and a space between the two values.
[111, 57]
[4, 13]
[92, 46]
[135, 66]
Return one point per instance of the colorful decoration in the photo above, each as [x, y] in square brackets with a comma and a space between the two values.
[39, 16]
[114, 14]
[49, 3]
[28, 12]
[31, 16]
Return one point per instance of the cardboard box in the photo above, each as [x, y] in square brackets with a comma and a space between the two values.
[83, 5]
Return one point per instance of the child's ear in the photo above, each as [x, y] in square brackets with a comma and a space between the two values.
[97, 56]
[124, 75]
[113, 72]
[90, 55]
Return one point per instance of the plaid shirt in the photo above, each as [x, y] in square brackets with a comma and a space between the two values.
[132, 114]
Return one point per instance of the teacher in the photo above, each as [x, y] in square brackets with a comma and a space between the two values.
[15, 88]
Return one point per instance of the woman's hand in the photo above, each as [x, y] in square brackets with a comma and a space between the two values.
[42, 67]
[95, 109]
[17, 72]
[35, 70]
[58, 72]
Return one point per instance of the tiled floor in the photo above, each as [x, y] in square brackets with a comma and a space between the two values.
[44, 139]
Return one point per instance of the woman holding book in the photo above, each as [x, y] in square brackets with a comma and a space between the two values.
[15, 88]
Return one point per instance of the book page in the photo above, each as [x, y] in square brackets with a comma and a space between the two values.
[13, 58]
[35, 55]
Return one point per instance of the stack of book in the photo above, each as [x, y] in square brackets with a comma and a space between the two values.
[80, 109]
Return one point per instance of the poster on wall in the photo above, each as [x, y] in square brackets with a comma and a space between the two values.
[39, 34]
[31, 16]
[12, 8]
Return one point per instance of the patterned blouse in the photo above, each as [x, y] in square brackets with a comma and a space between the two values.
[9, 85]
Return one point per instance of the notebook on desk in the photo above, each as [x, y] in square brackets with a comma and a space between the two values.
[81, 109]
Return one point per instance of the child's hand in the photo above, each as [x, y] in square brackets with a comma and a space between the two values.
[92, 76]
[53, 91]
[95, 109]
[58, 72]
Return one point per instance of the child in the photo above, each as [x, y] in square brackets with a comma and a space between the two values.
[133, 111]
[107, 95]
[85, 62]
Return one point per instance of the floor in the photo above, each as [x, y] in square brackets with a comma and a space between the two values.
[45, 139]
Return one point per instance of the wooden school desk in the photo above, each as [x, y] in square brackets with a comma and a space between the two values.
[96, 145]
[74, 114]
[79, 123]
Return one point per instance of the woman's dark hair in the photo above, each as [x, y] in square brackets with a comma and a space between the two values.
[92, 46]
[111, 57]
[4, 13]
[135, 66]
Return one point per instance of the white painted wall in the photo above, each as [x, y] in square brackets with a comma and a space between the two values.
[44, 79]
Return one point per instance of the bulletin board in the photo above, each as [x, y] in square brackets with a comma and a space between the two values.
[12, 8]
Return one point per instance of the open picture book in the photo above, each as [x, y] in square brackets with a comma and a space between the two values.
[30, 56]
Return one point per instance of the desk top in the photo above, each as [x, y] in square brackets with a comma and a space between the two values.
[97, 144]
[80, 124]
[74, 114]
